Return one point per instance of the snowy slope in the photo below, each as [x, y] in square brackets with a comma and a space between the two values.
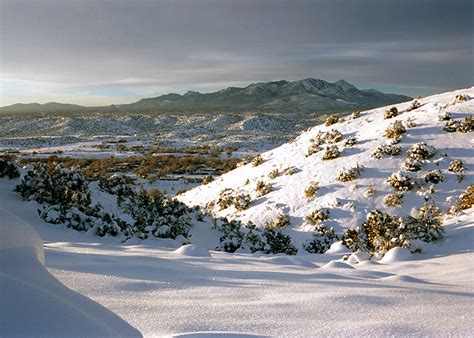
[34, 303]
[346, 202]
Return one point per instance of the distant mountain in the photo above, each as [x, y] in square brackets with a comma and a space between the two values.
[50, 107]
[310, 95]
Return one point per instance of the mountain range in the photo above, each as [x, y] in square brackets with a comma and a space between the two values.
[312, 95]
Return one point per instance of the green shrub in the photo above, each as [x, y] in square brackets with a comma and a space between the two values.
[9, 170]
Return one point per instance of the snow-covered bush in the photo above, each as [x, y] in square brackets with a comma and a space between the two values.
[389, 150]
[207, 179]
[159, 215]
[323, 237]
[355, 115]
[118, 185]
[434, 176]
[452, 126]
[8, 169]
[370, 192]
[280, 222]
[395, 131]
[263, 188]
[414, 105]
[378, 234]
[235, 235]
[330, 120]
[57, 185]
[351, 174]
[410, 122]
[290, 171]
[426, 224]
[461, 126]
[400, 182]
[457, 167]
[331, 153]
[445, 116]
[393, 200]
[350, 142]
[317, 216]
[257, 160]
[332, 136]
[391, 112]
[421, 151]
[460, 98]
[410, 164]
[229, 197]
[274, 173]
[310, 191]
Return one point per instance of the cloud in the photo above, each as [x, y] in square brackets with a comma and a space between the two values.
[157, 45]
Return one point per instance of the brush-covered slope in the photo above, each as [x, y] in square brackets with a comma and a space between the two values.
[349, 202]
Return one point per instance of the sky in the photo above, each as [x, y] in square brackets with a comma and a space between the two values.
[98, 52]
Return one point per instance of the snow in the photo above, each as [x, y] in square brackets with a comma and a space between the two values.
[91, 286]
[34, 303]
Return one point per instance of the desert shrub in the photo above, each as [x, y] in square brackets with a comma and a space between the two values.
[421, 151]
[414, 105]
[56, 185]
[274, 173]
[277, 242]
[331, 153]
[426, 224]
[158, 215]
[8, 169]
[466, 200]
[317, 216]
[445, 117]
[242, 201]
[330, 120]
[323, 237]
[389, 150]
[310, 191]
[378, 234]
[395, 131]
[257, 160]
[456, 166]
[370, 192]
[263, 188]
[400, 182]
[332, 136]
[235, 235]
[350, 142]
[434, 176]
[460, 98]
[228, 197]
[351, 174]
[391, 112]
[313, 148]
[290, 171]
[393, 200]
[452, 126]
[118, 185]
[207, 179]
[410, 122]
[355, 115]
[280, 222]
[410, 164]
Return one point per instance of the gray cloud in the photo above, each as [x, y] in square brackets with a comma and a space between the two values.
[158, 44]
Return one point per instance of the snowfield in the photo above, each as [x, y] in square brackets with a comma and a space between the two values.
[157, 287]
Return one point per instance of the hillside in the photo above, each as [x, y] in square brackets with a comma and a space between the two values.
[348, 203]
[308, 95]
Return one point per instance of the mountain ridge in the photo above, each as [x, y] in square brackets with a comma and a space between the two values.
[312, 95]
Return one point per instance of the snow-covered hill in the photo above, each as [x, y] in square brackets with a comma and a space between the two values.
[349, 202]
